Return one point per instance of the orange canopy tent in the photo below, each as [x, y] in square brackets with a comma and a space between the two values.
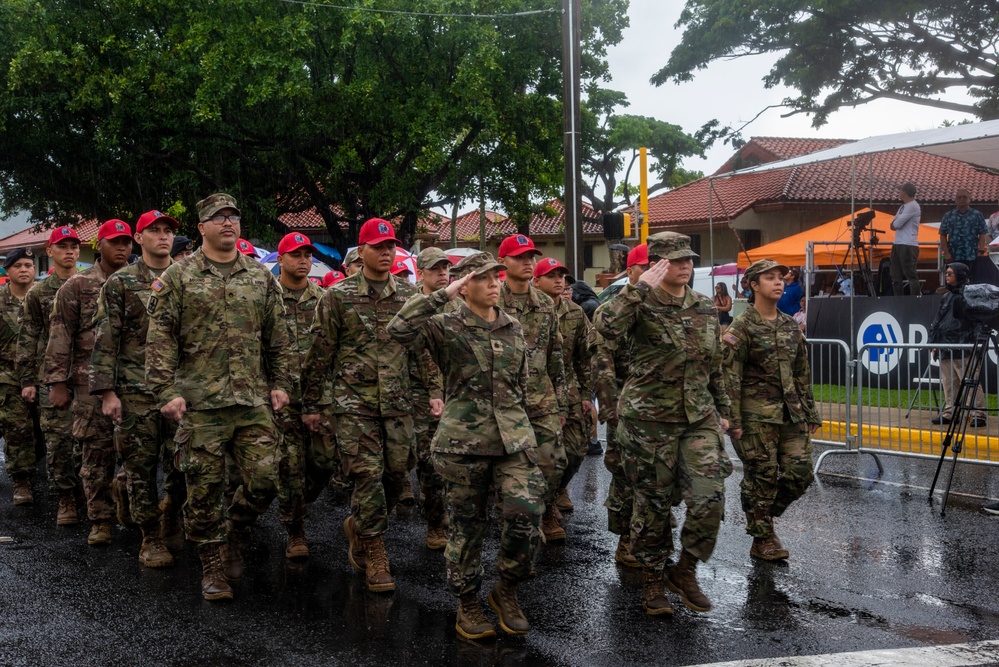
[790, 251]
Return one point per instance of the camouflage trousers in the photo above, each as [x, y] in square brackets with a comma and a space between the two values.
[777, 470]
[307, 461]
[620, 498]
[551, 453]
[62, 451]
[144, 440]
[576, 438]
[376, 454]
[658, 456]
[203, 439]
[473, 483]
[18, 432]
[95, 433]
[432, 489]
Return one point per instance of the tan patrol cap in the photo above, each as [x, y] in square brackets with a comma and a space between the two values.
[479, 263]
[761, 266]
[212, 204]
[670, 245]
[430, 257]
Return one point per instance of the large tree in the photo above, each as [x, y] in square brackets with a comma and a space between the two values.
[847, 52]
[115, 106]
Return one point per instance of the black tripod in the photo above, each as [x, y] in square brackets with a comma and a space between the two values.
[859, 250]
[964, 405]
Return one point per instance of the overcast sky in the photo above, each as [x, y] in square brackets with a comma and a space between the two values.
[732, 91]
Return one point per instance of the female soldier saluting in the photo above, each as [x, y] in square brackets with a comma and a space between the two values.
[773, 411]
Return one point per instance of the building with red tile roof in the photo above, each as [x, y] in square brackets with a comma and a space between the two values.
[755, 209]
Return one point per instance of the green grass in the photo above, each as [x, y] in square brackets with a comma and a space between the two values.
[886, 398]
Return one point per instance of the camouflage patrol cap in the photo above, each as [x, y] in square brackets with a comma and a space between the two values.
[761, 266]
[430, 257]
[212, 204]
[351, 257]
[478, 264]
[670, 245]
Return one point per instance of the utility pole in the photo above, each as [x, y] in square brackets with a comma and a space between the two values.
[571, 144]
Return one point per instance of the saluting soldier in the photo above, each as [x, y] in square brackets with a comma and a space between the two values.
[372, 400]
[16, 422]
[62, 452]
[773, 410]
[674, 408]
[219, 361]
[143, 437]
[67, 372]
[484, 444]
[547, 403]
[574, 327]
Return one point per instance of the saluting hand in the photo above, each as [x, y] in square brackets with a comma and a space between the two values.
[455, 287]
[655, 275]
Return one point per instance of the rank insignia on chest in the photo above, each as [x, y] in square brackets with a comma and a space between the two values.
[157, 285]
[497, 346]
[687, 322]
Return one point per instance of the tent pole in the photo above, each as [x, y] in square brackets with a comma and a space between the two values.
[711, 230]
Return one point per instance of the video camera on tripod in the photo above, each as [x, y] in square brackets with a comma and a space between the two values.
[860, 224]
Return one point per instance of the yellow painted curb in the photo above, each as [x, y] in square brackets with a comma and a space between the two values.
[913, 440]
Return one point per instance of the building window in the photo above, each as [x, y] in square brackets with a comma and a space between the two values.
[42, 263]
[750, 238]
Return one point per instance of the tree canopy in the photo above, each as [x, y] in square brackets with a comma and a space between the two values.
[847, 52]
[111, 108]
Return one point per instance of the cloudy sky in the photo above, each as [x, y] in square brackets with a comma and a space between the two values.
[732, 91]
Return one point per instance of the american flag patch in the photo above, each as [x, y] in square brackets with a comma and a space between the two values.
[730, 338]
[157, 285]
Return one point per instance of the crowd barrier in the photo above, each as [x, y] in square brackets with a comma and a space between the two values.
[889, 400]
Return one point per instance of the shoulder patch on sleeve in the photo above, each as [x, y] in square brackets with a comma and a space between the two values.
[730, 338]
[151, 304]
[157, 285]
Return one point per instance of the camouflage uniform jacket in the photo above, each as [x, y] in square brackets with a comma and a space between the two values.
[371, 371]
[299, 314]
[119, 358]
[34, 334]
[485, 369]
[217, 341]
[610, 370]
[546, 393]
[676, 358]
[72, 330]
[766, 370]
[576, 351]
[10, 313]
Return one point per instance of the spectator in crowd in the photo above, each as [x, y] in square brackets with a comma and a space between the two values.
[723, 303]
[964, 234]
[790, 300]
[993, 223]
[905, 249]
[584, 297]
[800, 316]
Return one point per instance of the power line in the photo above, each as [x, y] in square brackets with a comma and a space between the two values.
[400, 12]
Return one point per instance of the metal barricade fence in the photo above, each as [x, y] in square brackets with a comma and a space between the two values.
[832, 372]
[901, 401]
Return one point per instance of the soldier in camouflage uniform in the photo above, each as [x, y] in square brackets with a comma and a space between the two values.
[67, 371]
[549, 277]
[307, 459]
[674, 408]
[220, 362]
[351, 263]
[142, 436]
[62, 451]
[611, 369]
[372, 401]
[773, 411]
[16, 422]
[432, 266]
[485, 443]
[547, 402]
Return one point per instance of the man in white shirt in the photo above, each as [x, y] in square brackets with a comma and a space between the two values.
[905, 250]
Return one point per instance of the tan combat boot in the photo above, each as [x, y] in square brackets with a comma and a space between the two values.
[436, 537]
[100, 534]
[503, 598]
[153, 553]
[377, 575]
[233, 566]
[623, 555]
[171, 529]
[355, 552]
[214, 586]
[768, 548]
[406, 496]
[550, 527]
[122, 508]
[653, 596]
[22, 490]
[297, 547]
[472, 622]
[66, 514]
[682, 579]
[563, 503]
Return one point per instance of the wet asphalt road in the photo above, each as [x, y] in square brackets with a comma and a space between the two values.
[873, 566]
